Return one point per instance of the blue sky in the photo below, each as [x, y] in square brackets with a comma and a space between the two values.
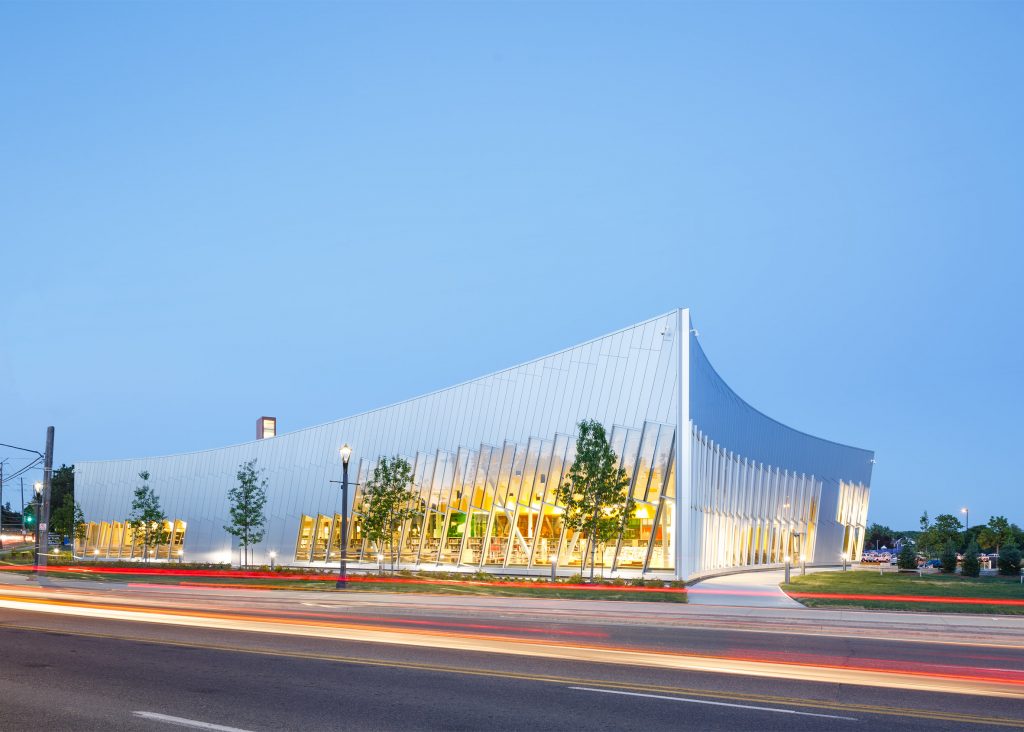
[210, 212]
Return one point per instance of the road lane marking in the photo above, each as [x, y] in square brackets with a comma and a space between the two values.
[190, 723]
[715, 703]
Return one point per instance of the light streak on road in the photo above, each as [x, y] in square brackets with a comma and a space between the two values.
[958, 681]
[538, 585]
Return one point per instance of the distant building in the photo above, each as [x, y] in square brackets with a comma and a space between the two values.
[718, 484]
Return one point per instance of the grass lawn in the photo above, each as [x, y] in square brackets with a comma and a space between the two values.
[892, 591]
[467, 585]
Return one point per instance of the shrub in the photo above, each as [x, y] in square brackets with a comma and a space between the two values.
[1009, 559]
[907, 558]
[971, 565]
[948, 558]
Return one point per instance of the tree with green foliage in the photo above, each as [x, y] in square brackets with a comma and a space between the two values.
[1009, 559]
[595, 494]
[147, 518]
[907, 558]
[948, 558]
[971, 565]
[68, 520]
[388, 502]
[946, 529]
[248, 499]
[62, 488]
[879, 535]
[995, 533]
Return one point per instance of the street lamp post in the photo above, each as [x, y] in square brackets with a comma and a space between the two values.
[346, 453]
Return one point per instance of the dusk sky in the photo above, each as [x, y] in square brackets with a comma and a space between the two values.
[211, 212]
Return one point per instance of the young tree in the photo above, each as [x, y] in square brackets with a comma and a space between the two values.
[907, 558]
[248, 499]
[595, 494]
[971, 566]
[948, 558]
[147, 518]
[388, 502]
[1009, 559]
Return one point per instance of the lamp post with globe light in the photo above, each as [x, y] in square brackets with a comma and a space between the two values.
[346, 452]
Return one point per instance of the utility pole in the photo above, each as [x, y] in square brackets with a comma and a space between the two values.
[43, 519]
[22, 511]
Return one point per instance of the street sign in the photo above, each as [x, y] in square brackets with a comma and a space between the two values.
[53, 539]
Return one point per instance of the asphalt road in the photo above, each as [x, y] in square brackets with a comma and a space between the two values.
[87, 671]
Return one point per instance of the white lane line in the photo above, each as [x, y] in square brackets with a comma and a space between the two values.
[714, 703]
[190, 723]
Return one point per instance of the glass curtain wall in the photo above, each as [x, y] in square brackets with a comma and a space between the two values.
[748, 513]
[852, 515]
[116, 540]
[496, 507]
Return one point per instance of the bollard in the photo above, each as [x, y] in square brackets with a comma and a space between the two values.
[787, 570]
[554, 566]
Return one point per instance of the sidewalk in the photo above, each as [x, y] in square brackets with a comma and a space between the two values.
[746, 589]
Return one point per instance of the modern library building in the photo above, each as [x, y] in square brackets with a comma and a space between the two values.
[718, 485]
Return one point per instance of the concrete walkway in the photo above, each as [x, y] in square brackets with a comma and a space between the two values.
[746, 589]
